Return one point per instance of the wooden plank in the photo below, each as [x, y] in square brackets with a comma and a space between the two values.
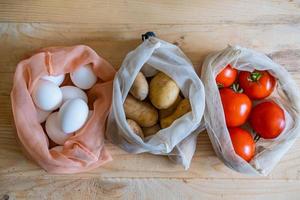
[155, 11]
[124, 188]
[21, 39]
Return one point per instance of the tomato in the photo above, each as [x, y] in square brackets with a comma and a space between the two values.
[227, 76]
[267, 119]
[237, 107]
[257, 84]
[242, 142]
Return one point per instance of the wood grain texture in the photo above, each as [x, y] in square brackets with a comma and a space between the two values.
[120, 188]
[113, 28]
[22, 39]
[155, 11]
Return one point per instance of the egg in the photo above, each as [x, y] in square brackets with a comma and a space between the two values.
[58, 80]
[84, 77]
[53, 129]
[42, 115]
[71, 92]
[46, 95]
[73, 114]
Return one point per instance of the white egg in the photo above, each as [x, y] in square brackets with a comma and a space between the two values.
[58, 80]
[42, 115]
[46, 95]
[73, 114]
[71, 92]
[84, 77]
[53, 129]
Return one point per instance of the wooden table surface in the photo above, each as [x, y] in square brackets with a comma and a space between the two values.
[113, 28]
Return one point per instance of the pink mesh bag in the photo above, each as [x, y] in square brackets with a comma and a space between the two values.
[83, 151]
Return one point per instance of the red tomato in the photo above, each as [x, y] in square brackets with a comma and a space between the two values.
[242, 142]
[257, 84]
[237, 107]
[267, 119]
[227, 76]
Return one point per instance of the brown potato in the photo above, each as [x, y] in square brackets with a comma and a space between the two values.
[141, 112]
[151, 130]
[182, 108]
[140, 87]
[163, 91]
[135, 128]
[166, 112]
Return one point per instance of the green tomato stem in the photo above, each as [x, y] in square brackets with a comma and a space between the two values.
[236, 88]
[255, 76]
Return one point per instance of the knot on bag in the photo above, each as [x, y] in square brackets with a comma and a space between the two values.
[147, 35]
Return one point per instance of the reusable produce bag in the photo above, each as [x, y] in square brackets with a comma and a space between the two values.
[178, 140]
[83, 151]
[286, 95]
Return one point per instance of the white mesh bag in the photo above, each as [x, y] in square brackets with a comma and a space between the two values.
[178, 141]
[286, 94]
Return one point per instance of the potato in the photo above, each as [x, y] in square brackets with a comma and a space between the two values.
[163, 91]
[151, 130]
[140, 87]
[135, 128]
[182, 108]
[141, 112]
[166, 112]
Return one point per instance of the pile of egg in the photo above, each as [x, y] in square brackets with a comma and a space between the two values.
[65, 108]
